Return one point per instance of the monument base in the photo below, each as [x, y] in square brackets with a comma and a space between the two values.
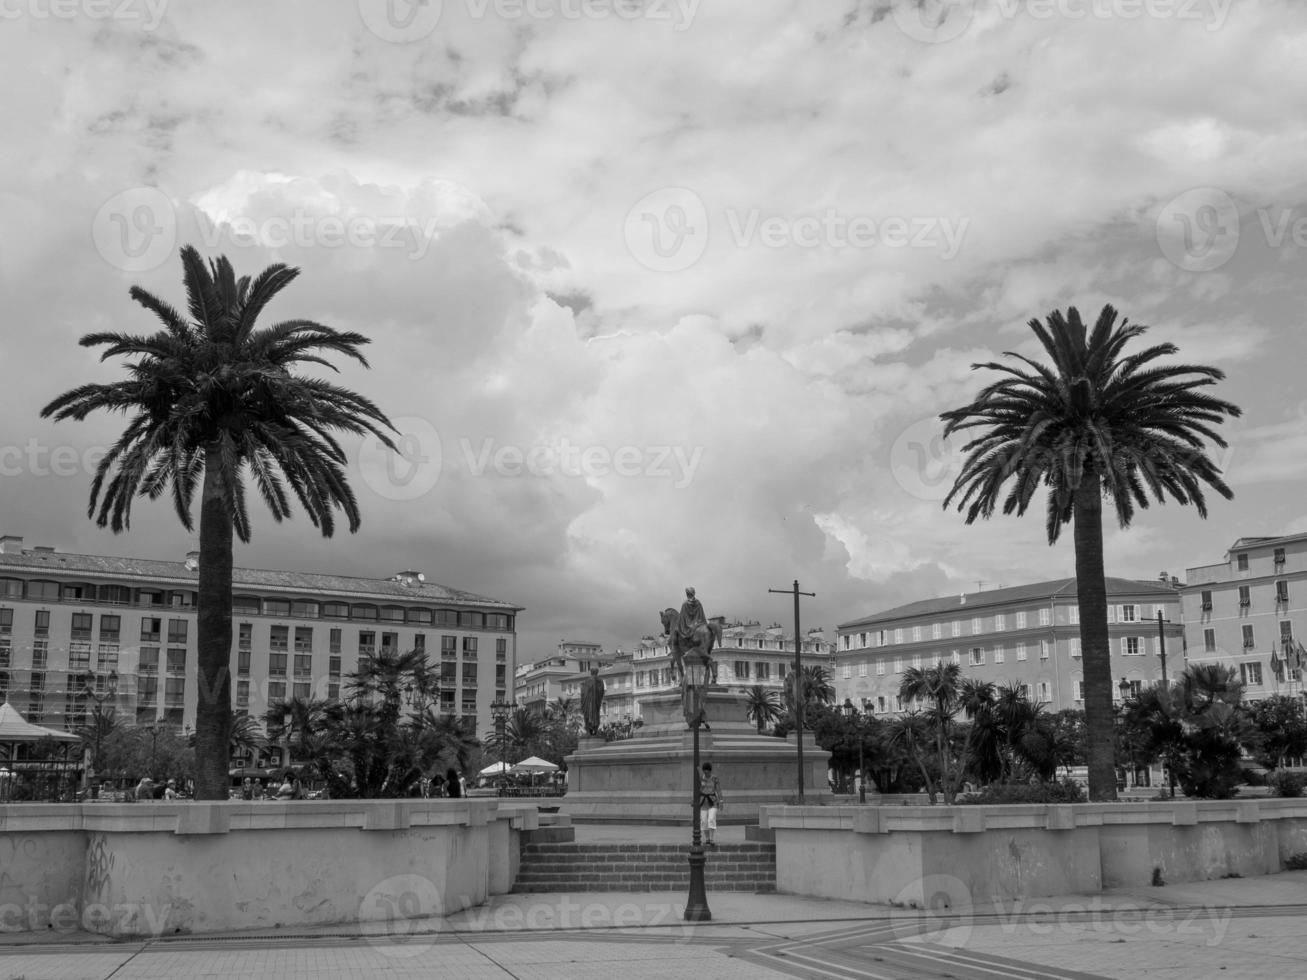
[649, 778]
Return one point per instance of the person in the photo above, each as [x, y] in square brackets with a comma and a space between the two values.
[247, 789]
[592, 697]
[710, 800]
[170, 791]
[286, 791]
[144, 790]
[690, 619]
[453, 785]
[436, 788]
[297, 788]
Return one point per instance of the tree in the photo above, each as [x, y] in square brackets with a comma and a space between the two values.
[1093, 422]
[1281, 728]
[942, 687]
[293, 722]
[762, 706]
[246, 735]
[213, 400]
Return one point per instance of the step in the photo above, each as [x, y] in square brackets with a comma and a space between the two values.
[573, 867]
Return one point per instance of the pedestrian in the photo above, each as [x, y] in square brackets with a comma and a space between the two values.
[144, 790]
[286, 791]
[297, 785]
[710, 799]
[170, 791]
[453, 784]
[247, 789]
[436, 788]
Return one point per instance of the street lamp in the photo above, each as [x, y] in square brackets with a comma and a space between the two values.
[852, 713]
[499, 711]
[89, 683]
[1124, 688]
[695, 679]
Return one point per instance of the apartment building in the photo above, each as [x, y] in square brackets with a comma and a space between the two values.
[1241, 612]
[1026, 634]
[540, 683]
[66, 619]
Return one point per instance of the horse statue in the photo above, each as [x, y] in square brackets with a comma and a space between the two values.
[706, 637]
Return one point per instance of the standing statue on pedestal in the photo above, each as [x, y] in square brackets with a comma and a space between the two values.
[592, 696]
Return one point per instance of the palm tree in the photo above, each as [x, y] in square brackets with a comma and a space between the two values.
[246, 734]
[909, 733]
[762, 706]
[212, 400]
[295, 720]
[1093, 423]
[943, 688]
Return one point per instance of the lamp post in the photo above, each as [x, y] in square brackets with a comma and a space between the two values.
[853, 714]
[1124, 688]
[500, 710]
[89, 684]
[695, 679]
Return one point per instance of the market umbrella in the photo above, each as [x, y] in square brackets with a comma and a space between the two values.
[499, 768]
[534, 764]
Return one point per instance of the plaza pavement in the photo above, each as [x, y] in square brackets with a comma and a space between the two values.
[1230, 928]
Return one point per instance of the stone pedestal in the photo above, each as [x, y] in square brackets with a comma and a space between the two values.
[650, 778]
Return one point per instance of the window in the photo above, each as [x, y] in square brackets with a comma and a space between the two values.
[1021, 620]
[1209, 641]
[109, 628]
[276, 607]
[367, 643]
[174, 691]
[1000, 622]
[1073, 646]
[1286, 632]
[1021, 651]
[862, 669]
[880, 668]
[762, 671]
[1251, 674]
[898, 636]
[1128, 614]
[420, 617]
[472, 620]
[147, 690]
[469, 648]
[304, 639]
[862, 638]
[1130, 646]
[48, 591]
[303, 665]
[1044, 617]
[1025, 691]
[304, 609]
[392, 614]
[976, 629]
[916, 634]
[1281, 591]
[448, 674]
[957, 627]
[276, 691]
[1206, 596]
[1248, 636]
[1073, 615]
[1080, 690]
[449, 647]
[847, 671]
[81, 626]
[11, 588]
[999, 655]
[333, 691]
[177, 632]
[741, 668]
[898, 665]
[937, 631]
[149, 661]
[1279, 556]
[1044, 696]
[333, 666]
[390, 643]
[1241, 562]
[1245, 596]
[977, 656]
[368, 613]
[277, 665]
[335, 610]
[447, 617]
[243, 662]
[1045, 649]
[501, 649]
[499, 621]
[176, 660]
[279, 638]
[956, 658]
[302, 690]
[333, 641]
[246, 605]
[242, 694]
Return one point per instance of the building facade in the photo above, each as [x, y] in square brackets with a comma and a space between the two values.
[1027, 635]
[540, 683]
[1246, 612]
[68, 618]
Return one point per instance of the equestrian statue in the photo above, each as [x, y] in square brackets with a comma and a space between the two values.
[690, 630]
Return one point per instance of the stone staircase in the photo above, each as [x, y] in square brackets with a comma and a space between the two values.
[572, 867]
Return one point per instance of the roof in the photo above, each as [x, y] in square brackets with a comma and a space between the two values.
[154, 571]
[15, 728]
[1064, 587]
[1254, 542]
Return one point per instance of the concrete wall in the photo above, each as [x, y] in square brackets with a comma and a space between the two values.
[168, 868]
[949, 856]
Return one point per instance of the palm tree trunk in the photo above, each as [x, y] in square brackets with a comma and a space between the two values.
[213, 700]
[1095, 648]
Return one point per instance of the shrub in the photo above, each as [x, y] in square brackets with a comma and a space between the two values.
[1066, 791]
[1296, 862]
[1287, 783]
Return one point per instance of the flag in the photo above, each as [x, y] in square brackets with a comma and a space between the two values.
[1300, 656]
[1277, 666]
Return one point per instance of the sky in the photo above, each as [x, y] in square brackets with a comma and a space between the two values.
[664, 293]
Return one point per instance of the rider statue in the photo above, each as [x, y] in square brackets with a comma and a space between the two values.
[688, 622]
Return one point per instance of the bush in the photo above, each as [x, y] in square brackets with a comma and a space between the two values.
[1296, 862]
[1287, 783]
[1066, 791]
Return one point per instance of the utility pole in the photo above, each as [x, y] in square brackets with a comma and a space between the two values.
[798, 677]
